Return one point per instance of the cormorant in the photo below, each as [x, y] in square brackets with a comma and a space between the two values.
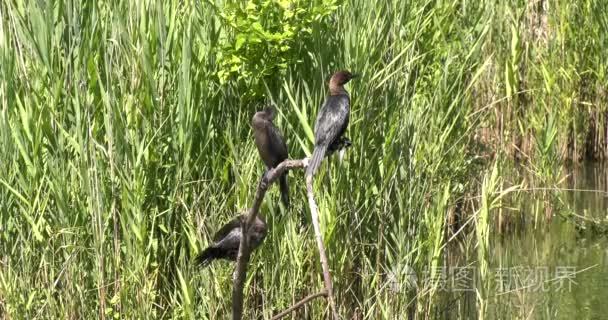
[271, 146]
[332, 121]
[227, 240]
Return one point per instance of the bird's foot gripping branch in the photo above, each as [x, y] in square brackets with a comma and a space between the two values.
[244, 254]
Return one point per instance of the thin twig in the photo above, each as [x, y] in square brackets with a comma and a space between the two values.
[300, 304]
[240, 272]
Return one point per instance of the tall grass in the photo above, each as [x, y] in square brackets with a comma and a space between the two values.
[122, 152]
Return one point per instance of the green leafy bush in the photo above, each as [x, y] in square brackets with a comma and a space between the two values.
[262, 36]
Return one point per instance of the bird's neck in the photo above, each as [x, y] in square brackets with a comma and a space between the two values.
[259, 123]
[336, 89]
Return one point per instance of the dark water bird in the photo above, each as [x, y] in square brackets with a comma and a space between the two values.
[227, 240]
[271, 146]
[332, 121]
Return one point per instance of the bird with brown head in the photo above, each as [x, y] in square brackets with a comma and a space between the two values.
[332, 121]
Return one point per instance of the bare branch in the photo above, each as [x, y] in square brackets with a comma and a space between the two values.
[300, 304]
[314, 212]
[240, 272]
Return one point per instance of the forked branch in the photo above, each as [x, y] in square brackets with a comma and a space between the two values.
[244, 254]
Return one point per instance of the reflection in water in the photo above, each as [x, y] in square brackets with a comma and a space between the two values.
[553, 272]
[588, 178]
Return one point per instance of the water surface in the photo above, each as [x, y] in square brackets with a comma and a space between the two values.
[538, 269]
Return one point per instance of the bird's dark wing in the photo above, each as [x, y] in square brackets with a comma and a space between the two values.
[277, 143]
[332, 119]
[232, 224]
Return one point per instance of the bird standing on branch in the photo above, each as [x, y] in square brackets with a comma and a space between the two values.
[332, 121]
[271, 146]
[227, 240]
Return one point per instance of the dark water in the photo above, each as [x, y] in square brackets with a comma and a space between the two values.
[537, 269]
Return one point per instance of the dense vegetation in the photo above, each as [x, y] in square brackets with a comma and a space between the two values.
[125, 138]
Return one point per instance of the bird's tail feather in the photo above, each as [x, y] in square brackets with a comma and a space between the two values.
[208, 255]
[284, 190]
[315, 161]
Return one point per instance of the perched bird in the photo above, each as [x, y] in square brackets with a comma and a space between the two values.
[226, 242]
[332, 121]
[271, 146]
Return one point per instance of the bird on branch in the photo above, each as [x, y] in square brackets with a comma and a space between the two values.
[271, 146]
[332, 121]
[227, 240]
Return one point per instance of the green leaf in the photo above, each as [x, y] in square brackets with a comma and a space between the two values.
[240, 40]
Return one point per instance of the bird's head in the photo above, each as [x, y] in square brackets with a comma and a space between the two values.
[269, 112]
[339, 79]
[264, 115]
[342, 77]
